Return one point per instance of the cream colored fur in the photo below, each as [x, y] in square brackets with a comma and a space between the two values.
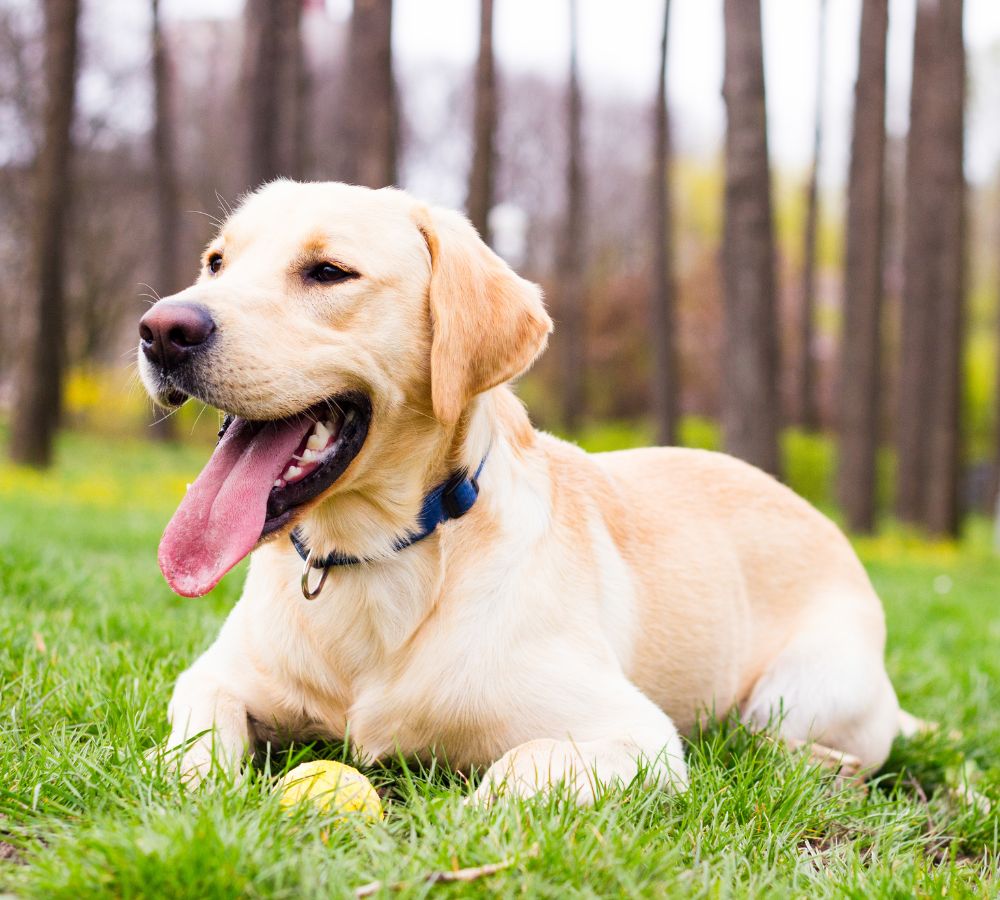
[589, 607]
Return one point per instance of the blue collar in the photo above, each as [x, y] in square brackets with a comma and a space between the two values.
[451, 499]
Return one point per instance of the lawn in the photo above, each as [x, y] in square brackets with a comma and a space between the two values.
[93, 639]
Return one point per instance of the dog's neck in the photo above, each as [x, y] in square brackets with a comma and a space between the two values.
[383, 603]
[367, 520]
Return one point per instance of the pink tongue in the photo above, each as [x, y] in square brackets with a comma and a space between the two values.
[220, 518]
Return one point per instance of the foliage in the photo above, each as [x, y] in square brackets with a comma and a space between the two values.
[111, 401]
[91, 640]
[809, 465]
[978, 401]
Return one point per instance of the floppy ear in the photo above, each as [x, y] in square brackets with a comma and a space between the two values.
[488, 323]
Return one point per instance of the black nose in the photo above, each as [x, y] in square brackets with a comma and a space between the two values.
[171, 330]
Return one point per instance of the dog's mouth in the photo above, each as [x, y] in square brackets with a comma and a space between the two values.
[260, 477]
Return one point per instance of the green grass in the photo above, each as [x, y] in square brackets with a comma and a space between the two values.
[92, 640]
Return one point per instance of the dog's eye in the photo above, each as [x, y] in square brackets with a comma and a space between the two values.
[215, 263]
[328, 273]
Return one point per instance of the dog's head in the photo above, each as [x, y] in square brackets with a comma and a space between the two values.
[326, 319]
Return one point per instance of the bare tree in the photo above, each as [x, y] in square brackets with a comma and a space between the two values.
[750, 397]
[21, 93]
[942, 512]
[481, 177]
[369, 100]
[996, 443]
[37, 406]
[928, 430]
[272, 88]
[806, 406]
[664, 392]
[166, 185]
[861, 346]
[996, 413]
[572, 300]
[111, 209]
[919, 288]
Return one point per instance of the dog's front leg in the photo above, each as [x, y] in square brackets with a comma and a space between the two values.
[636, 737]
[209, 725]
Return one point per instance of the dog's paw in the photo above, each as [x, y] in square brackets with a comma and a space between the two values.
[192, 762]
[582, 770]
[196, 764]
[535, 768]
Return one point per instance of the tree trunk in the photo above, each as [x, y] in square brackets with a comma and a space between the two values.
[573, 301]
[807, 411]
[996, 428]
[272, 80]
[919, 285]
[861, 343]
[300, 83]
[942, 512]
[480, 200]
[665, 387]
[37, 407]
[369, 104]
[165, 181]
[928, 430]
[996, 441]
[750, 412]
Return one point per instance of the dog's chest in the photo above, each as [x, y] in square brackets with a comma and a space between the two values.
[381, 671]
[442, 702]
[420, 657]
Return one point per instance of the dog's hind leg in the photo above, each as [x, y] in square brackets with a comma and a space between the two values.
[829, 687]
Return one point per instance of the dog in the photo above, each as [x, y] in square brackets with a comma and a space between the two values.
[429, 574]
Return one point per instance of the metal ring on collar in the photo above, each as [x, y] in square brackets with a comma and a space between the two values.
[306, 592]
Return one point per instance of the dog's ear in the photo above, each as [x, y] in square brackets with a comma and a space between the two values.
[488, 323]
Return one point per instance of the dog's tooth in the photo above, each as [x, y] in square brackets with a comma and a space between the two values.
[278, 482]
[315, 442]
[309, 456]
[322, 434]
[291, 472]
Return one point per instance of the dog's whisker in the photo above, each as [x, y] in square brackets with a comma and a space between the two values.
[213, 219]
[163, 418]
[151, 291]
[332, 404]
[418, 412]
[223, 204]
[197, 418]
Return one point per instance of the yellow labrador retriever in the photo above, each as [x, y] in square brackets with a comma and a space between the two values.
[458, 582]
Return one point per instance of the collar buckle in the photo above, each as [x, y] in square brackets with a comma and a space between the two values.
[460, 494]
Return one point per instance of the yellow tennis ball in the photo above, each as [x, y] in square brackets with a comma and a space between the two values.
[332, 787]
